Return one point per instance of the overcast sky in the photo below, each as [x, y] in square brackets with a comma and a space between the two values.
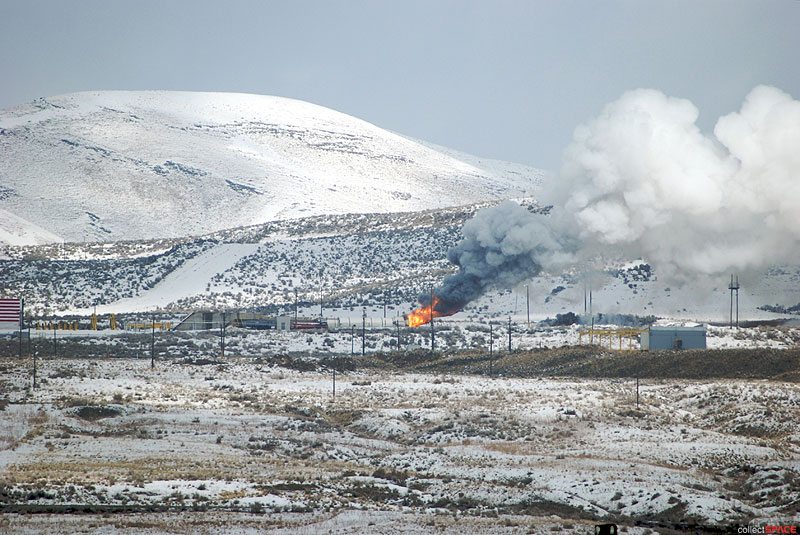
[499, 79]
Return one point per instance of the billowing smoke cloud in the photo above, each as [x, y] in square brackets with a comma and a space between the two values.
[642, 180]
[502, 246]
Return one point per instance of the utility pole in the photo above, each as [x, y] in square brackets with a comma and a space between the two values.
[34, 370]
[491, 339]
[528, 304]
[222, 337]
[334, 378]
[153, 343]
[509, 333]
[32, 354]
[433, 341]
[491, 343]
[55, 343]
[397, 324]
[364, 332]
[352, 339]
[295, 304]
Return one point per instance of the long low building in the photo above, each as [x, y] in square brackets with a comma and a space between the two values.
[674, 337]
[202, 320]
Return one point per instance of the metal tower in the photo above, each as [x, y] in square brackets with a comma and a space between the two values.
[734, 287]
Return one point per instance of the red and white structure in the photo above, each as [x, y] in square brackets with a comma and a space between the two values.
[10, 312]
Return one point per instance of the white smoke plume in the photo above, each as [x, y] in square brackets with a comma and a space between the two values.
[642, 180]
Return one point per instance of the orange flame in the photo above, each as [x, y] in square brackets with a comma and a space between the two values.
[422, 315]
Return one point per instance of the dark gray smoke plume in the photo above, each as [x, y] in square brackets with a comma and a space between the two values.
[503, 245]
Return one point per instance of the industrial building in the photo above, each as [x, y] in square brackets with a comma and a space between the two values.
[204, 320]
[674, 337]
[654, 337]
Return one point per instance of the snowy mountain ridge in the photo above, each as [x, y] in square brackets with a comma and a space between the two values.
[114, 165]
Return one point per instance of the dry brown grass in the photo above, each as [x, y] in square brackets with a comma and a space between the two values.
[514, 448]
[24, 424]
[585, 361]
[90, 471]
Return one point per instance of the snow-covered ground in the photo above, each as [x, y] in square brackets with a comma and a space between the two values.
[233, 438]
[191, 278]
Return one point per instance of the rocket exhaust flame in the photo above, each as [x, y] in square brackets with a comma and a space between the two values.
[423, 314]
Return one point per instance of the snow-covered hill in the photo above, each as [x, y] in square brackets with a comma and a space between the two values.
[112, 165]
[345, 263]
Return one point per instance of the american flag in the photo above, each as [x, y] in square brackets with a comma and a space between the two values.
[9, 310]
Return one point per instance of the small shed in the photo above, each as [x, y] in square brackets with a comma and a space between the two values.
[284, 323]
[674, 337]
